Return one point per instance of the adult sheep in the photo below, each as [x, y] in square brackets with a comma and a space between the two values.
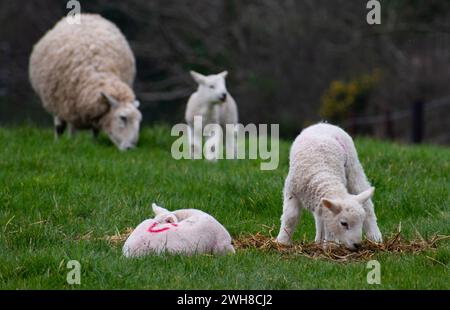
[84, 74]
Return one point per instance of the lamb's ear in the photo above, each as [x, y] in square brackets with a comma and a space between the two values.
[136, 103]
[199, 78]
[112, 102]
[158, 210]
[366, 195]
[171, 218]
[331, 205]
[224, 74]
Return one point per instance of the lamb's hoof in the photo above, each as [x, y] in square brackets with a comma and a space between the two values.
[283, 241]
[329, 246]
[376, 238]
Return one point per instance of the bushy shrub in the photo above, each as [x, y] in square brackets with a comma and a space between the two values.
[344, 99]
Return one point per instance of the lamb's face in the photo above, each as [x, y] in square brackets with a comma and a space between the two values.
[211, 88]
[347, 226]
[122, 124]
[345, 221]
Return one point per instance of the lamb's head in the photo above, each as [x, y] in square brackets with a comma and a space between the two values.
[163, 215]
[345, 220]
[211, 88]
[122, 122]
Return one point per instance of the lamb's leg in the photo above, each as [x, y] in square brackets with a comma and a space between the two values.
[370, 225]
[290, 217]
[211, 153]
[60, 126]
[195, 139]
[320, 229]
[231, 143]
[191, 142]
[329, 240]
[357, 183]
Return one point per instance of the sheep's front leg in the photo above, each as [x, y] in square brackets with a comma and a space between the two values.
[329, 239]
[60, 126]
[320, 230]
[357, 183]
[289, 219]
[195, 142]
[231, 144]
[370, 225]
[211, 151]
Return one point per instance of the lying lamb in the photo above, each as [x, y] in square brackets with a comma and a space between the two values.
[84, 74]
[326, 177]
[187, 231]
[214, 104]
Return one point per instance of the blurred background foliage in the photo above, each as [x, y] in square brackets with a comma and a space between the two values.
[290, 62]
[344, 99]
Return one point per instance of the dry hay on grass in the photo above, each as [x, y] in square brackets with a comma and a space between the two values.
[259, 241]
[115, 239]
[393, 244]
[119, 237]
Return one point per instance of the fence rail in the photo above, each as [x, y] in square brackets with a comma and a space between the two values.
[416, 113]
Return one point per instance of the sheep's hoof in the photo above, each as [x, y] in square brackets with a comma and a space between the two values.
[376, 238]
[283, 241]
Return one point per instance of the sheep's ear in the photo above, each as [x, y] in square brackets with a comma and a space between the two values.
[331, 205]
[158, 210]
[111, 101]
[171, 219]
[136, 103]
[224, 74]
[366, 195]
[199, 78]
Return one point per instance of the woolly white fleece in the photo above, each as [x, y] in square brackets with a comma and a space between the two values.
[324, 165]
[74, 63]
[187, 231]
[214, 105]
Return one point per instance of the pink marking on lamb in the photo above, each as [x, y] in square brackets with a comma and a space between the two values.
[344, 148]
[339, 140]
[152, 228]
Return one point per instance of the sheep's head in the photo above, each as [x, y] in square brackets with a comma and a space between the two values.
[345, 222]
[211, 88]
[122, 123]
[163, 215]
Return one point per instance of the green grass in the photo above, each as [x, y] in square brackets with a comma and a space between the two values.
[52, 193]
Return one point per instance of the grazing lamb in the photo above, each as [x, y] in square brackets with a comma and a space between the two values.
[84, 74]
[214, 104]
[187, 231]
[326, 177]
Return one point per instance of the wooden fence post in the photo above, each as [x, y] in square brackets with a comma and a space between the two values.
[388, 125]
[418, 121]
[353, 124]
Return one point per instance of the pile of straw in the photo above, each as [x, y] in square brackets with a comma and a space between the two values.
[262, 242]
[393, 244]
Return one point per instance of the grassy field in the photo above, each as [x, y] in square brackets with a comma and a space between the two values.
[53, 193]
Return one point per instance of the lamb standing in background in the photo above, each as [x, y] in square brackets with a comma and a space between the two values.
[326, 177]
[187, 231]
[84, 74]
[215, 105]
